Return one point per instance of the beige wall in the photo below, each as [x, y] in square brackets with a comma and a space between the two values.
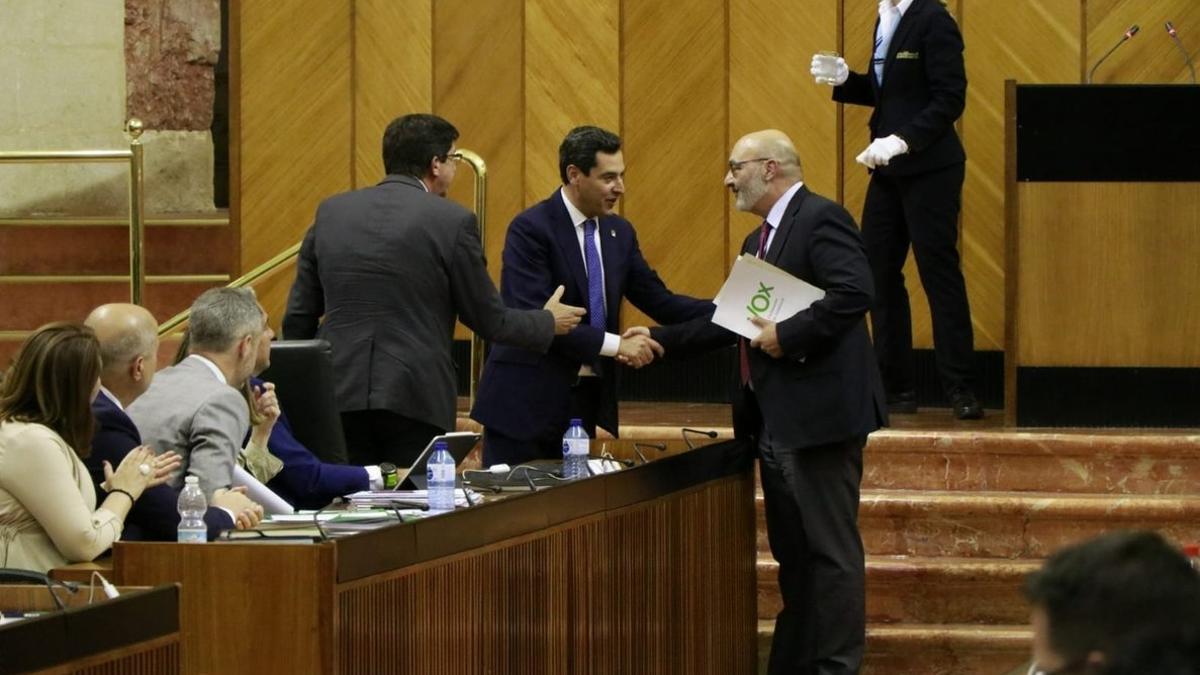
[679, 80]
[65, 89]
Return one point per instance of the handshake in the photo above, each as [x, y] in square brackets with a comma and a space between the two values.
[637, 348]
[829, 68]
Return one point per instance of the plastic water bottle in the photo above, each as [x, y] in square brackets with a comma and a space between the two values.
[576, 446]
[439, 478]
[192, 506]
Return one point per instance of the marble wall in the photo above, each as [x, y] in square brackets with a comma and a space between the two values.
[65, 63]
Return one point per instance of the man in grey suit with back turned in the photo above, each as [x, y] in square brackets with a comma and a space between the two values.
[196, 407]
[390, 268]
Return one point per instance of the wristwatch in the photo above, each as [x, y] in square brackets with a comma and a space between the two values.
[390, 477]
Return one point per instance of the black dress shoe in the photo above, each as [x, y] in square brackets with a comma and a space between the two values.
[902, 403]
[965, 405]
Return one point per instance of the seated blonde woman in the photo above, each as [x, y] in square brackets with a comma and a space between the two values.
[48, 513]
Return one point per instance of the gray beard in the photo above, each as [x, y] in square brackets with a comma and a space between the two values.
[748, 196]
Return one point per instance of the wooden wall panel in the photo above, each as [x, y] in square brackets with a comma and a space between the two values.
[572, 77]
[293, 127]
[674, 121]
[478, 85]
[1106, 272]
[393, 74]
[1042, 47]
[763, 95]
[1150, 57]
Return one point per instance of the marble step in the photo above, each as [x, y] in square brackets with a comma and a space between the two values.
[945, 649]
[1091, 461]
[913, 589]
[170, 246]
[1006, 524]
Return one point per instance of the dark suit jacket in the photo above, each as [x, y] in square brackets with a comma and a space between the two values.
[826, 388]
[305, 481]
[524, 394]
[390, 268]
[922, 95]
[155, 515]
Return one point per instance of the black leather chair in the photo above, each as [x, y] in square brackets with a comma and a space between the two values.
[302, 371]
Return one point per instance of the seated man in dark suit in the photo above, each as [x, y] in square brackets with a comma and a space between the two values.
[128, 338]
[304, 481]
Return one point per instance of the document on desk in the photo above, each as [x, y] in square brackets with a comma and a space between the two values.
[272, 503]
[756, 288]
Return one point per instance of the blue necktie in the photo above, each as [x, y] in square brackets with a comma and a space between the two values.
[889, 18]
[595, 275]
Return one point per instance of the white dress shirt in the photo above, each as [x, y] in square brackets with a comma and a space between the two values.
[612, 341]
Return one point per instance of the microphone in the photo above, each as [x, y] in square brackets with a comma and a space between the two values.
[1187, 58]
[685, 431]
[637, 449]
[1133, 30]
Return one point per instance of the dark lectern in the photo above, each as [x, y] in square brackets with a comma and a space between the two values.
[1103, 239]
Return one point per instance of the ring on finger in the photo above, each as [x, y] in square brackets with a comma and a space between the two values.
[144, 469]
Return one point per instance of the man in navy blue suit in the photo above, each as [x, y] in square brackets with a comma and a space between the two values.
[128, 338]
[575, 239]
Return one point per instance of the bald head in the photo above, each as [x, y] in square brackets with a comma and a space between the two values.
[128, 336]
[773, 144]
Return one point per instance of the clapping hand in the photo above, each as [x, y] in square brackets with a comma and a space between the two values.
[140, 469]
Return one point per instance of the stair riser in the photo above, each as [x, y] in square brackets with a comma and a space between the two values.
[1010, 536]
[928, 600]
[1068, 470]
[105, 250]
[887, 657]
[28, 306]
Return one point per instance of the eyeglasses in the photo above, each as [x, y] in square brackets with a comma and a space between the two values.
[453, 157]
[735, 166]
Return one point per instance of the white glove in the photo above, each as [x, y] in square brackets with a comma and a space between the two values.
[881, 151]
[831, 70]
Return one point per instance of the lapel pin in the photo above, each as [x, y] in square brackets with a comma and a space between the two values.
[612, 233]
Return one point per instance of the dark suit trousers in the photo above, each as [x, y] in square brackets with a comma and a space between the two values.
[811, 499]
[586, 395]
[375, 436]
[921, 210]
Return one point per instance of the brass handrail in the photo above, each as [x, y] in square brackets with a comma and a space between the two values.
[478, 166]
[137, 269]
[246, 279]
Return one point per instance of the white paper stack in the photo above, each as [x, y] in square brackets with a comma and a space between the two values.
[758, 288]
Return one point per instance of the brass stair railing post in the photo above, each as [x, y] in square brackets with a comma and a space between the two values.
[137, 265]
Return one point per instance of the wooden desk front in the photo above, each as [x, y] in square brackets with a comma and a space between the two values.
[649, 570]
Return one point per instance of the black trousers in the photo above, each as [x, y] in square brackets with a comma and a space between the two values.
[499, 448]
[375, 436]
[811, 499]
[920, 210]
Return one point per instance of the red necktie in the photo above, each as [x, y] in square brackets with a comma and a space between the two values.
[743, 345]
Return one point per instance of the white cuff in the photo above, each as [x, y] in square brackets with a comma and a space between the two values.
[232, 517]
[612, 344]
[374, 476]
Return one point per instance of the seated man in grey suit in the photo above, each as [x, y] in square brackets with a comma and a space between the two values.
[196, 407]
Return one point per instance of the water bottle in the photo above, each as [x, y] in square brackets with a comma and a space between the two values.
[192, 506]
[576, 447]
[439, 478]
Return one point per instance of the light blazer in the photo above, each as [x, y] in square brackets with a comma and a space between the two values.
[188, 410]
[826, 388]
[155, 514]
[923, 93]
[524, 394]
[390, 268]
